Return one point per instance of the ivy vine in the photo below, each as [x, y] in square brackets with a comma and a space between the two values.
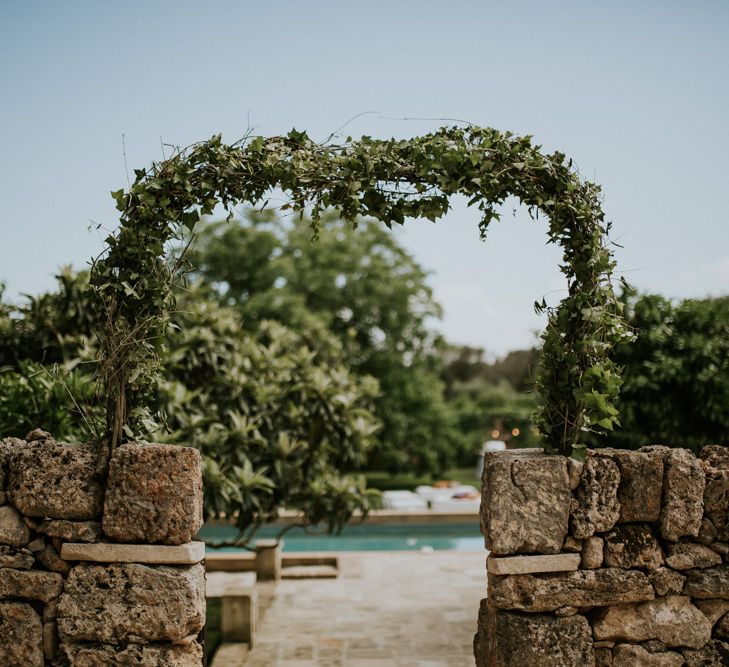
[390, 180]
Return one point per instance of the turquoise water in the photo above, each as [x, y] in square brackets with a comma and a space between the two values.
[365, 537]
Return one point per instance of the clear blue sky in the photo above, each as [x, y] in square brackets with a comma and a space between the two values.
[636, 93]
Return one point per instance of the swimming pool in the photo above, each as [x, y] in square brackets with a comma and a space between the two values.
[370, 537]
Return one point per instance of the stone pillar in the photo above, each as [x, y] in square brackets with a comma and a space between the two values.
[268, 560]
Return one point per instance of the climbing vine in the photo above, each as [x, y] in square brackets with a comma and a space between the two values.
[390, 180]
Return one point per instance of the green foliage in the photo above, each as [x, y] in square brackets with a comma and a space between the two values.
[391, 181]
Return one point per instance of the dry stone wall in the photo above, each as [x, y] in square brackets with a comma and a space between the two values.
[97, 566]
[620, 561]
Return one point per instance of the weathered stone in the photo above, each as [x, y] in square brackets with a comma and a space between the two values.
[574, 470]
[707, 532]
[36, 545]
[123, 603]
[641, 483]
[666, 581]
[535, 640]
[50, 640]
[708, 583]
[597, 496]
[629, 655]
[154, 494]
[603, 657]
[52, 561]
[715, 456]
[30, 584]
[72, 531]
[16, 557]
[8, 446]
[31, 522]
[566, 611]
[716, 500]
[56, 480]
[712, 609]
[3, 497]
[655, 646]
[683, 494]
[632, 545]
[13, 530]
[50, 611]
[183, 554]
[38, 434]
[530, 564]
[584, 588]
[714, 654]
[525, 503]
[721, 548]
[572, 545]
[687, 556]
[672, 620]
[721, 631]
[99, 655]
[592, 553]
[21, 636]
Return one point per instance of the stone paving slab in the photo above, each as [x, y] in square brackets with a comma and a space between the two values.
[394, 609]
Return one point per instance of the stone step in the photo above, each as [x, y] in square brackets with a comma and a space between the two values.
[309, 572]
[220, 584]
[155, 554]
[230, 655]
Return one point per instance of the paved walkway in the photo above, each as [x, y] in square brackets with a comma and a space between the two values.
[396, 609]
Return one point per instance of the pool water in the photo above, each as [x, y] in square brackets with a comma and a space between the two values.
[366, 537]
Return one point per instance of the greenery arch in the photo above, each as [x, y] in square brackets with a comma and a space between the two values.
[390, 180]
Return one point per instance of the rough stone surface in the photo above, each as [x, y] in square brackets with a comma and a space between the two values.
[716, 456]
[539, 641]
[154, 494]
[98, 655]
[572, 545]
[592, 553]
[183, 554]
[707, 532]
[666, 581]
[714, 654]
[574, 470]
[584, 588]
[52, 561]
[525, 503]
[603, 657]
[21, 636]
[641, 483]
[123, 603]
[598, 508]
[721, 631]
[7, 447]
[687, 556]
[16, 557]
[30, 584]
[683, 495]
[716, 498]
[531, 564]
[13, 530]
[50, 640]
[629, 655]
[712, 609]
[56, 480]
[72, 531]
[673, 620]
[708, 583]
[632, 545]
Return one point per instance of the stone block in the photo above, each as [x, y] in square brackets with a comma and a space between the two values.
[72, 531]
[598, 509]
[687, 556]
[603, 657]
[16, 557]
[707, 532]
[7, 448]
[666, 581]
[154, 494]
[632, 545]
[525, 503]
[131, 603]
[716, 498]
[574, 470]
[159, 554]
[268, 560]
[716, 456]
[159, 655]
[672, 620]
[13, 530]
[239, 618]
[584, 588]
[21, 636]
[714, 654]
[641, 483]
[50, 640]
[708, 583]
[56, 480]
[629, 655]
[52, 561]
[30, 584]
[592, 555]
[712, 609]
[532, 564]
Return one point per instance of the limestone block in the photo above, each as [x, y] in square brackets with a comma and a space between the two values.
[666, 581]
[72, 531]
[572, 545]
[30, 584]
[712, 609]
[641, 483]
[584, 588]
[673, 620]
[134, 603]
[52, 561]
[716, 456]
[183, 554]
[632, 545]
[629, 655]
[7, 447]
[160, 655]
[13, 530]
[714, 654]
[538, 640]
[16, 557]
[598, 509]
[56, 480]
[532, 564]
[574, 470]
[525, 503]
[716, 499]
[592, 553]
[708, 583]
[687, 556]
[21, 635]
[154, 494]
